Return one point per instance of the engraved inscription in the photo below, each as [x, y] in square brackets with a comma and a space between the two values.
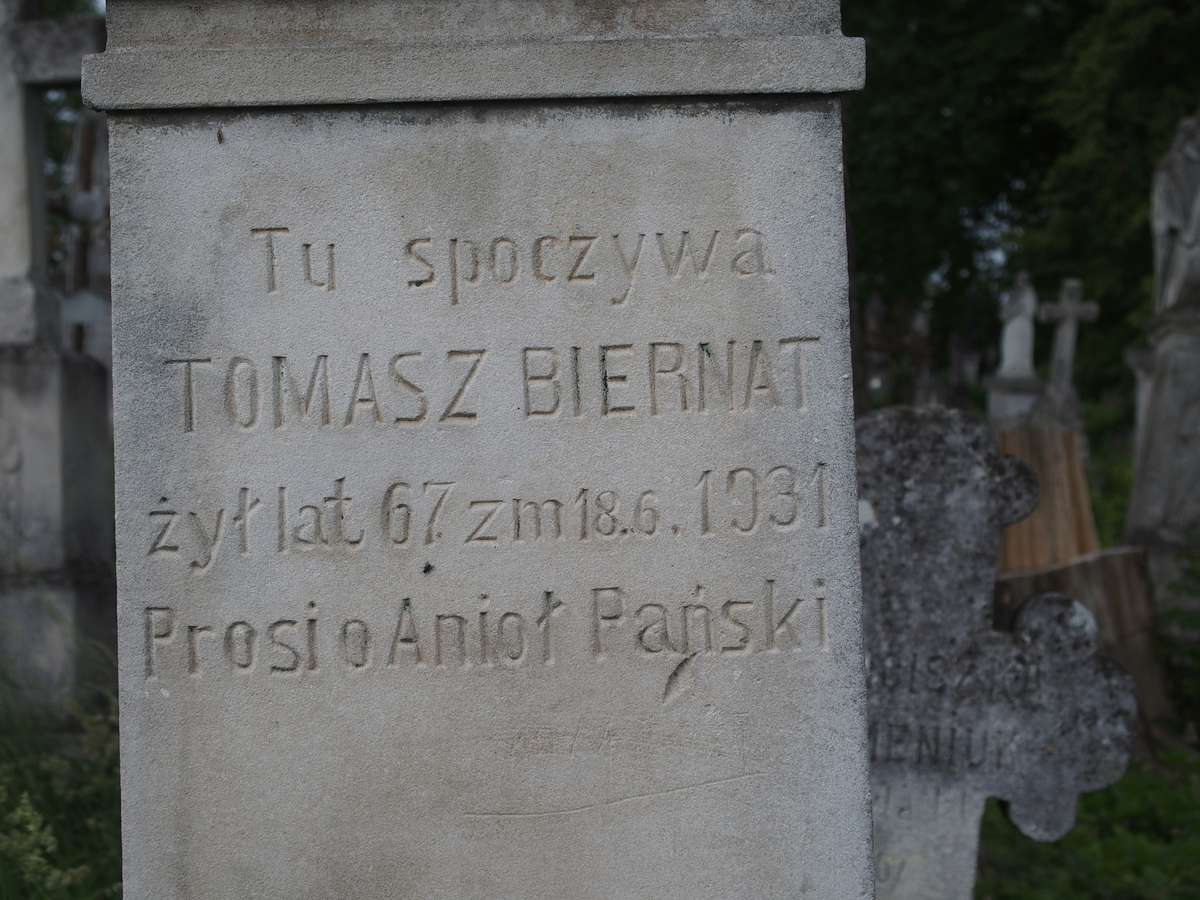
[278, 243]
[454, 268]
[740, 502]
[551, 629]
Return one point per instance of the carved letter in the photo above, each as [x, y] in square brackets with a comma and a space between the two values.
[272, 261]
[189, 392]
[210, 544]
[752, 260]
[549, 378]
[453, 413]
[539, 256]
[364, 382]
[159, 626]
[607, 379]
[674, 264]
[248, 421]
[411, 249]
[674, 367]
[576, 275]
[303, 403]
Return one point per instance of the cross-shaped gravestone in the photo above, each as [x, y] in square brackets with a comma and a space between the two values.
[1068, 312]
[960, 712]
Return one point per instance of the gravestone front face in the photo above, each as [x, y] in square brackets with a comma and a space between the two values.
[960, 712]
[485, 469]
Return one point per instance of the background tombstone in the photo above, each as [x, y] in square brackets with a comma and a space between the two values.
[56, 580]
[87, 313]
[1059, 405]
[1164, 510]
[486, 520]
[1047, 433]
[959, 711]
[1014, 388]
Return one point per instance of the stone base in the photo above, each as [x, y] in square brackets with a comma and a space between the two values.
[56, 646]
[1011, 400]
[57, 599]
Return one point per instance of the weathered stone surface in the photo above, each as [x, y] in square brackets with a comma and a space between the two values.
[50, 51]
[486, 501]
[1175, 209]
[1115, 587]
[960, 712]
[1164, 510]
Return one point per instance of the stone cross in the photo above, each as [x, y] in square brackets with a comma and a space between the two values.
[1068, 312]
[1164, 509]
[464, 352]
[959, 711]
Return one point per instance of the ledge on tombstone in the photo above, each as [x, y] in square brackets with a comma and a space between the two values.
[468, 51]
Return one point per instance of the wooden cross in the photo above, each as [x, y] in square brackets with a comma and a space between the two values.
[1068, 312]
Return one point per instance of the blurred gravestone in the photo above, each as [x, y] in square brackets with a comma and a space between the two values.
[1014, 388]
[1048, 435]
[959, 711]
[1164, 511]
[56, 583]
[1059, 405]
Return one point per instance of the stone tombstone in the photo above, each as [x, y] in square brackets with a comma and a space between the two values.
[1164, 509]
[56, 515]
[1175, 220]
[1018, 308]
[960, 712]
[1059, 404]
[485, 458]
[1014, 389]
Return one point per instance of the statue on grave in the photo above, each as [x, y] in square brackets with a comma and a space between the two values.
[1175, 215]
[1018, 308]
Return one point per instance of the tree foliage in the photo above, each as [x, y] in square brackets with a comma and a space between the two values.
[994, 137]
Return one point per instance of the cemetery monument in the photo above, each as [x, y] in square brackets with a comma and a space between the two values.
[1014, 388]
[56, 522]
[486, 512]
[959, 711]
[1164, 511]
[1059, 405]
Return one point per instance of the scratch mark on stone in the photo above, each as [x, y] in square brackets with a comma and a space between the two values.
[619, 801]
[673, 686]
